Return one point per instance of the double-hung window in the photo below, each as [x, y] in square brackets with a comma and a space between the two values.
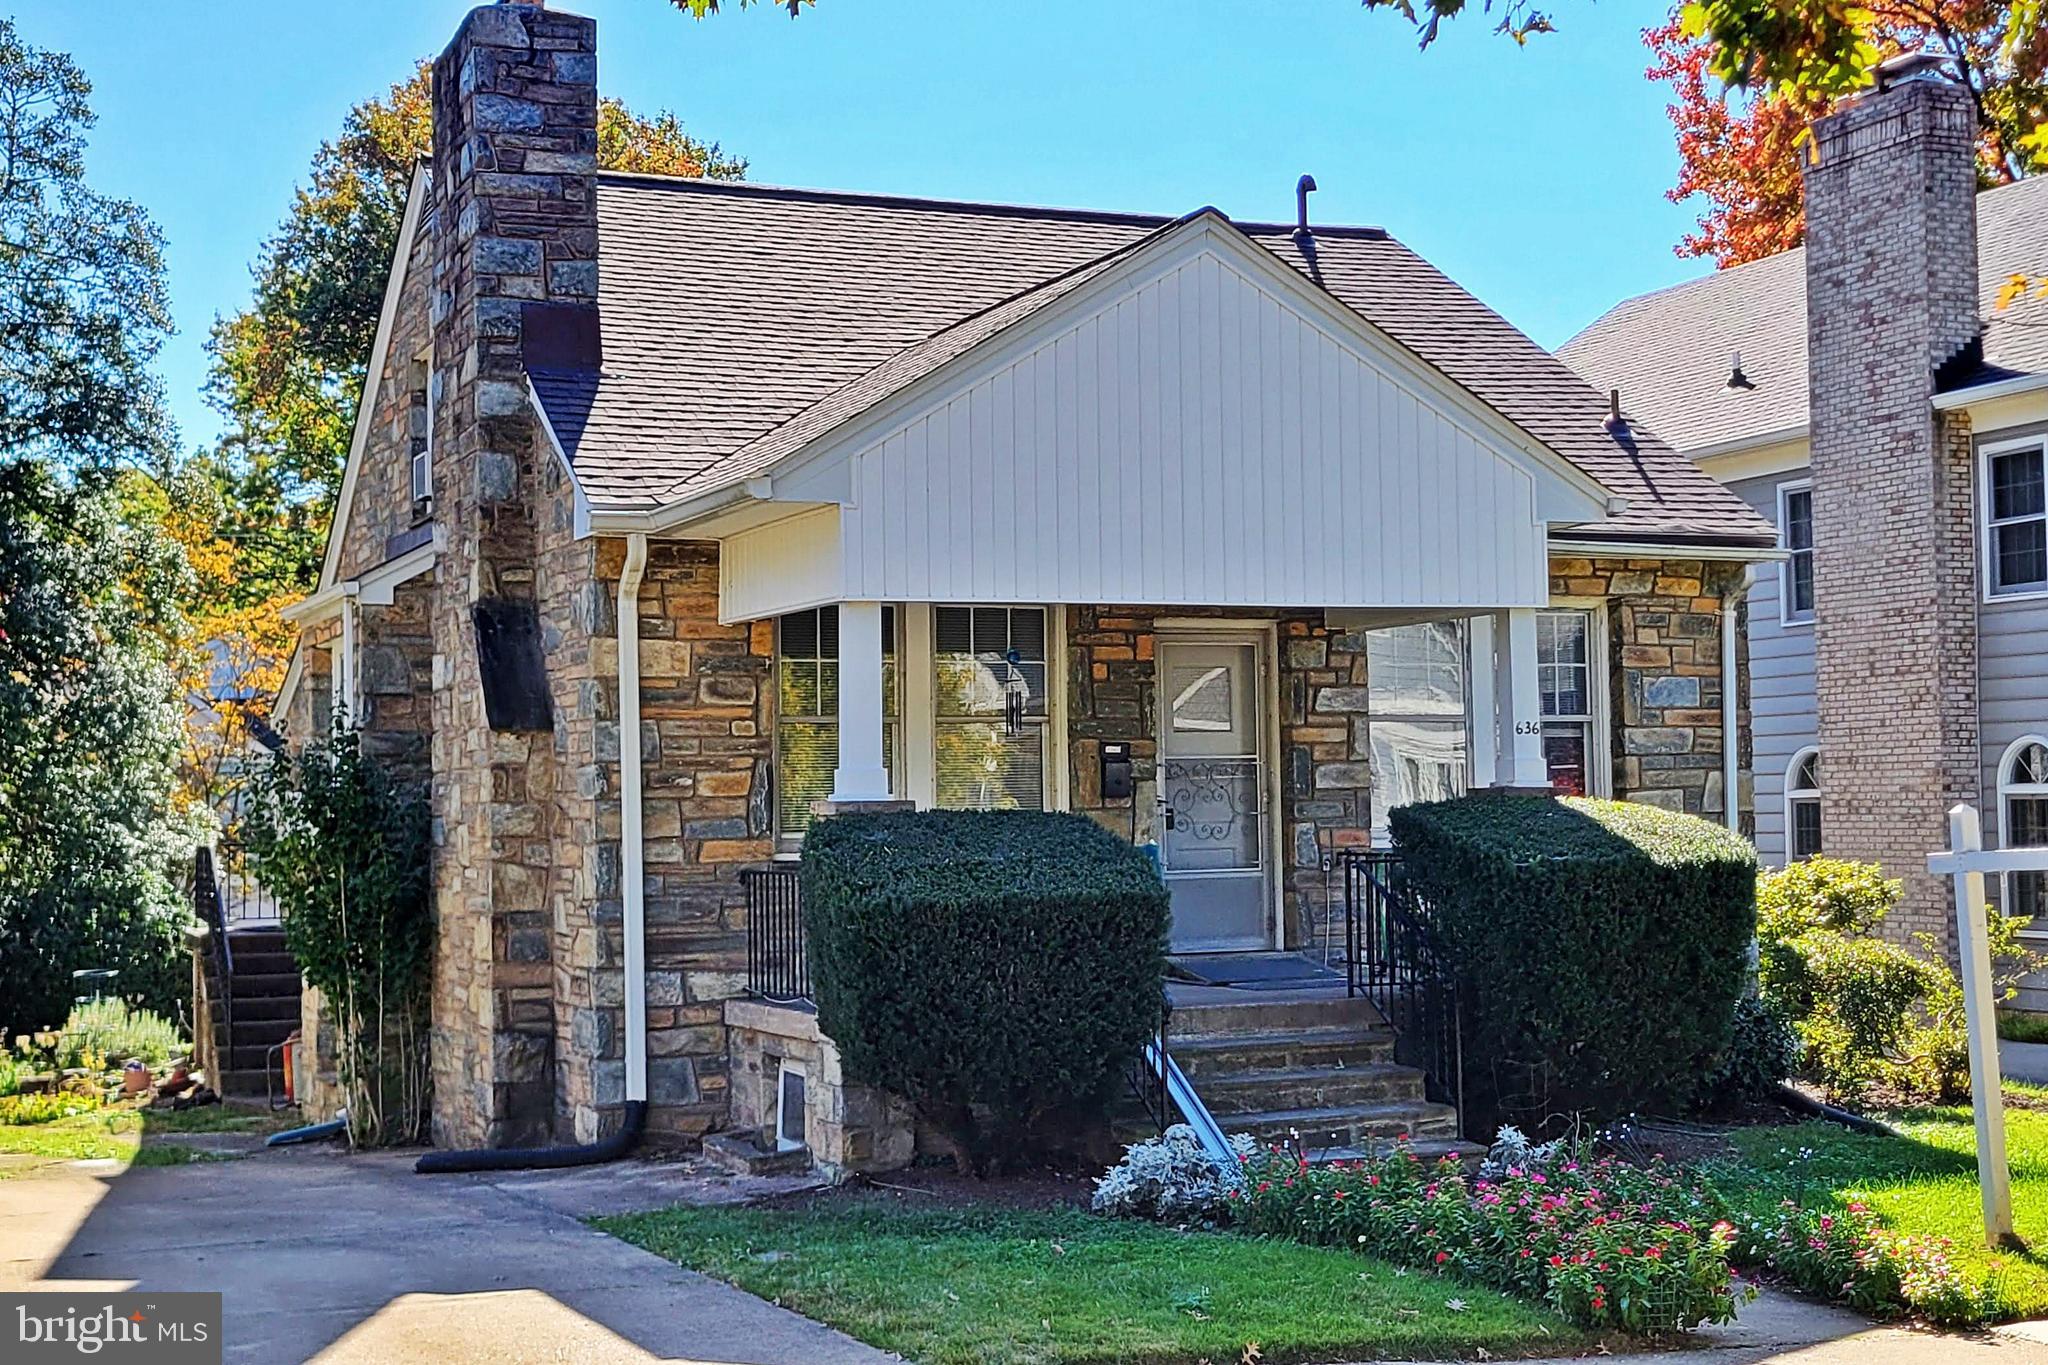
[2016, 533]
[1565, 680]
[989, 701]
[807, 712]
[1415, 714]
[1795, 536]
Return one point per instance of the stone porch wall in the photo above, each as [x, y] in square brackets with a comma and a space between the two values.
[1664, 677]
[1325, 785]
[849, 1128]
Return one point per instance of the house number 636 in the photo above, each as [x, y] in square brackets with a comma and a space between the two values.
[1528, 727]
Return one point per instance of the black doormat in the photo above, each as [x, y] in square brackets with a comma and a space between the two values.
[1255, 971]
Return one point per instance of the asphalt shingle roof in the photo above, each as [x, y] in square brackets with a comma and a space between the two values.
[1668, 351]
[740, 321]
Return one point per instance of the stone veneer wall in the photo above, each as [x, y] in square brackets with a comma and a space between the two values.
[706, 739]
[515, 246]
[1325, 784]
[1664, 677]
[1891, 290]
[848, 1128]
[1663, 671]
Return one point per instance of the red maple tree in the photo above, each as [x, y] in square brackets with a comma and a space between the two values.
[1740, 147]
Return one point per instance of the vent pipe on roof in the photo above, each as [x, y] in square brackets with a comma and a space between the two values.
[1614, 420]
[1736, 378]
[1303, 188]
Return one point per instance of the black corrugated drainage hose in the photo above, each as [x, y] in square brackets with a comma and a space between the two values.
[542, 1158]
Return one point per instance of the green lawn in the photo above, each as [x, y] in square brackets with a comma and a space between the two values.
[988, 1287]
[1925, 1182]
[121, 1133]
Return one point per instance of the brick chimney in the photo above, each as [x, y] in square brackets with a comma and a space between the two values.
[514, 284]
[1891, 293]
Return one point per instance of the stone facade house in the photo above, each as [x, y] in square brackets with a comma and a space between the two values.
[680, 512]
[1871, 396]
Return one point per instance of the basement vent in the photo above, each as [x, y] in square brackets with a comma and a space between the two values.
[508, 653]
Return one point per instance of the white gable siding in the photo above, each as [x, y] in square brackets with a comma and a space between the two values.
[783, 566]
[1195, 439]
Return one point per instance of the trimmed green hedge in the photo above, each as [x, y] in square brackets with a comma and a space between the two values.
[995, 968]
[1601, 947]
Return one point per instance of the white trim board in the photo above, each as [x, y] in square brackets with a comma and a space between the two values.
[415, 198]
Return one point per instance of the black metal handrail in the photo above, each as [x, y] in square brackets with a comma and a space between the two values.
[1146, 1075]
[1393, 957]
[206, 904]
[778, 961]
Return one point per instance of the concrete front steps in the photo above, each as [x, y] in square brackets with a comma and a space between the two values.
[265, 1009]
[1311, 1065]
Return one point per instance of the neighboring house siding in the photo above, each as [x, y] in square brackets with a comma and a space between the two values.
[2012, 654]
[1781, 688]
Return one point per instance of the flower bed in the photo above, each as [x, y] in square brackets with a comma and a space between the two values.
[1607, 1244]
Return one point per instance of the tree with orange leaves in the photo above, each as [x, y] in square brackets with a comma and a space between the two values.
[1747, 80]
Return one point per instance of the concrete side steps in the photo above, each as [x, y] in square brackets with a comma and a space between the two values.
[268, 1007]
[1253, 1092]
[265, 963]
[267, 984]
[1353, 1126]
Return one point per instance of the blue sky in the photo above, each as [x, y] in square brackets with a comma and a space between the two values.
[1533, 175]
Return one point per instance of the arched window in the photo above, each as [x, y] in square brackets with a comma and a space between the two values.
[2023, 819]
[1802, 805]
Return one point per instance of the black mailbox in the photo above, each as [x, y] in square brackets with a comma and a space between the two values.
[1117, 784]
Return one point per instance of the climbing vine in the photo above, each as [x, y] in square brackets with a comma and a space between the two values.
[342, 845]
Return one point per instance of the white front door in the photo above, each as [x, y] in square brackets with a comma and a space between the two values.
[1212, 819]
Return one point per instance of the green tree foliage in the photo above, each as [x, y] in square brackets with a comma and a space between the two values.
[82, 302]
[1869, 1012]
[89, 735]
[88, 709]
[288, 369]
[334, 836]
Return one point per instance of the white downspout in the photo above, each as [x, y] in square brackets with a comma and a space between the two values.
[1731, 709]
[632, 856]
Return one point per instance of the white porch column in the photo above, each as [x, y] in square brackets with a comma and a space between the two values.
[1518, 702]
[861, 774]
[1485, 709]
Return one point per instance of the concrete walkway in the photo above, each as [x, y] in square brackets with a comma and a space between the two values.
[334, 1258]
[2026, 1062]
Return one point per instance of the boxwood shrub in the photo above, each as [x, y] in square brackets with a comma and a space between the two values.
[995, 968]
[1600, 948]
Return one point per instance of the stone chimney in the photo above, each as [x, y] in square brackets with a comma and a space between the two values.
[1891, 293]
[514, 285]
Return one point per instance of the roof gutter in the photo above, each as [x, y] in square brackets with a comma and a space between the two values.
[657, 520]
[1646, 549]
[1735, 445]
[1981, 393]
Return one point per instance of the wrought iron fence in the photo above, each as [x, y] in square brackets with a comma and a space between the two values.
[242, 900]
[778, 961]
[1394, 958]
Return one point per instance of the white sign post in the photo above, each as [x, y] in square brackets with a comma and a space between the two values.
[1967, 862]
